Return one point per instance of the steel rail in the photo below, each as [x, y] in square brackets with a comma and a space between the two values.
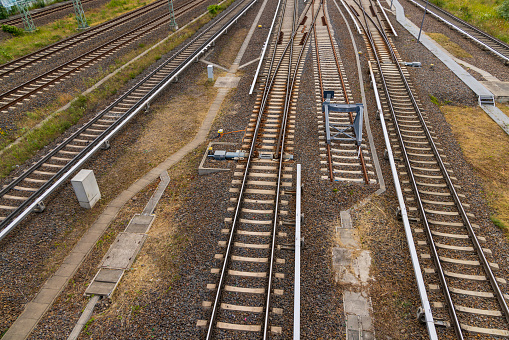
[386, 18]
[296, 285]
[266, 91]
[283, 129]
[351, 16]
[421, 287]
[265, 45]
[329, 157]
[82, 36]
[288, 78]
[469, 26]
[104, 49]
[459, 205]
[436, 259]
[336, 59]
[58, 179]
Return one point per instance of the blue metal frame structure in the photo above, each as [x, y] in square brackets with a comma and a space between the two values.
[342, 132]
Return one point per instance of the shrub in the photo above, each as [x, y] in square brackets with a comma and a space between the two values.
[467, 14]
[39, 4]
[3, 12]
[214, 9]
[12, 30]
[503, 10]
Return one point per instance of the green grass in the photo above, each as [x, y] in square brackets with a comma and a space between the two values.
[492, 16]
[18, 46]
[499, 223]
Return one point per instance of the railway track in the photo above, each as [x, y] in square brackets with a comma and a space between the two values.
[487, 42]
[29, 90]
[344, 160]
[12, 68]
[251, 266]
[27, 192]
[459, 271]
[41, 13]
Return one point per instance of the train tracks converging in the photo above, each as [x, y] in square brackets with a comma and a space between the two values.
[27, 192]
[37, 85]
[344, 160]
[460, 275]
[487, 42]
[249, 274]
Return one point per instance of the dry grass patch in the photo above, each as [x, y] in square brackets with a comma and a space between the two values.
[486, 147]
[233, 42]
[157, 266]
[174, 124]
[450, 46]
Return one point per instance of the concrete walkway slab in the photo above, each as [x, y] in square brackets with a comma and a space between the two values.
[479, 89]
[430, 44]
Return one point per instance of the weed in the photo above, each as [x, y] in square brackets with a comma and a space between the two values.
[15, 31]
[214, 10]
[437, 102]
[439, 3]
[503, 10]
[89, 322]
[499, 223]
[466, 14]
[39, 4]
[434, 100]
[3, 12]
[335, 190]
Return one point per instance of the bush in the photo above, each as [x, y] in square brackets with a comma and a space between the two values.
[12, 30]
[214, 9]
[3, 12]
[39, 4]
[503, 10]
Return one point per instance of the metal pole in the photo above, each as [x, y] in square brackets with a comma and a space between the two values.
[80, 14]
[173, 23]
[28, 23]
[391, 4]
[422, 22]
[296, 289]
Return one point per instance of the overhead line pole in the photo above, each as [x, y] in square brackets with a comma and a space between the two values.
[173, 22]
[80, 15]
[28, 23]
